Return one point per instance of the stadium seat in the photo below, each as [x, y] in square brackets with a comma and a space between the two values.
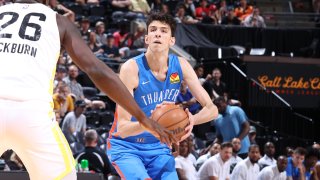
[89, 92]
[96, 10]
[70, 137]
[77, 147]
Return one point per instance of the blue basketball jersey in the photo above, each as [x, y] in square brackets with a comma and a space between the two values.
[152, 91]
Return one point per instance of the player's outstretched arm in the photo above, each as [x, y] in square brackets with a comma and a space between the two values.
[102, 76]
[209, 111]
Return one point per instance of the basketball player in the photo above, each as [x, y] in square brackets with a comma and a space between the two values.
[30, 38]
[152, 78]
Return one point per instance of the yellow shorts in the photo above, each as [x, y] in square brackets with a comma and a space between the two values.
[29, 128]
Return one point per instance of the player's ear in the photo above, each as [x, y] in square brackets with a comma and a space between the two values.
[146, 39]
[172, 41]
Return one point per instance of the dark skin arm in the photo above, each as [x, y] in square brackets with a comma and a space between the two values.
[181, 174]
[104, 78]
[245, 127]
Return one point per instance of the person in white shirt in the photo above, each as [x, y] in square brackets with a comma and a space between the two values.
[184, 166]
[215, 148]
[268, 158]
[236, 146]
[277, 171]
[248, 169]
[218, 166]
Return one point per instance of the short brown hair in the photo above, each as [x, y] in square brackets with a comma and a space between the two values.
[164, 18]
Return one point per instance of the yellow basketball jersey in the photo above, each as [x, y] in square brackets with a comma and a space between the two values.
[29, 49]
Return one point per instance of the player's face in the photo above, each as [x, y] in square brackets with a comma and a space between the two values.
[159, 37]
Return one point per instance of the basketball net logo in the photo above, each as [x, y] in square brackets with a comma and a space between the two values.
[174, 78]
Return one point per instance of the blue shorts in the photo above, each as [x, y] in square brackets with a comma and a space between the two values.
[138, 161]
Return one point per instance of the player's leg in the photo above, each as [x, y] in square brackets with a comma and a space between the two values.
[129, 166]
[39, 142]
[163, 168]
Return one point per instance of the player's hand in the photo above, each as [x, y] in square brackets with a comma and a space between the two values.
[164, 135]
[189, 128]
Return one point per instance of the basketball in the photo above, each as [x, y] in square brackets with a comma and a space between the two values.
[173, 118]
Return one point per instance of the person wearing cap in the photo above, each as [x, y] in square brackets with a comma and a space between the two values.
[75, 121]
[252, 135]
[85, 29]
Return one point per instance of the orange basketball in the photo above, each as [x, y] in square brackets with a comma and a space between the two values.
[173, 118]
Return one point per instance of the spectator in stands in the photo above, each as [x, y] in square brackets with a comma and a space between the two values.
[276, 172]
[156, 5]
[202, 10]
[243, 10]
[185, 168]
[289, 151]
[101, 37]
[98, 160]
[60, 9]
[71, 81]
[223, 9]
[120, 5]
[141, 6]
[61, 72]
[236, 146]
[316, 146]
[218, 87]
[93, 45]
[138, 36]
[254, 19]
[268, 158]
[310, 162]
[165, 9]
[217, 166]
[230, 18]
[248, 168]
[232, 123]
[193, 155]
[295, 168]
[214, 149]
[199, 70]
[85, 29]
[186, 99]
[181, 16]
[190, 8]
[252, 135]
[109, 49]
[75, 121]
[213, 16]
[62, 100]
[122, 37]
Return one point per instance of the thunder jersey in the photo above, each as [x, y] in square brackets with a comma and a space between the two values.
[151, 92]
[29, 49]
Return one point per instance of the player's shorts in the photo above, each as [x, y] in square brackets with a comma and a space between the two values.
[29, 128]
[138, 161]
